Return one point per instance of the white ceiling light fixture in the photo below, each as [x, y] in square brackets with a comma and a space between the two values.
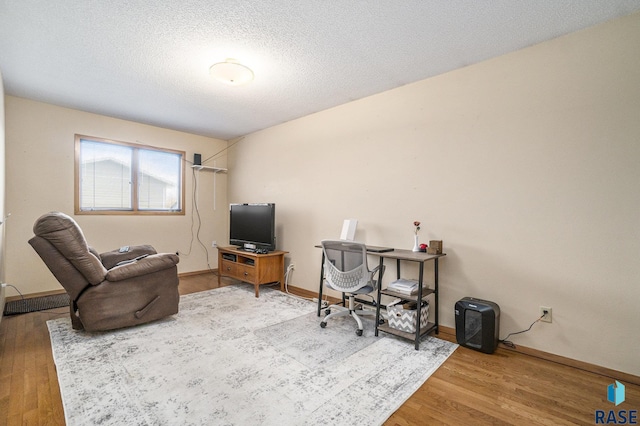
[231, 72]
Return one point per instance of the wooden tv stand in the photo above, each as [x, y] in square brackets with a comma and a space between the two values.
[251, 267]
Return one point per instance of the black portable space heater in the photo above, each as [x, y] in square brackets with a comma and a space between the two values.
[477, 324]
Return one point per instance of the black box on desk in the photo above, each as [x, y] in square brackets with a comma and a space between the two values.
[477, 324]
[435, 247]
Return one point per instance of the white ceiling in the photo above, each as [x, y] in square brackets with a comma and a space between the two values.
[148, 60]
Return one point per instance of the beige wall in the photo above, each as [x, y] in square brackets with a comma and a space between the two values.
[2, 188]
[527, 166]
[40, 167]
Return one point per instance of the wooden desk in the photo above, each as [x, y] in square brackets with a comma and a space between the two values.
[400, 256]
[251, 267]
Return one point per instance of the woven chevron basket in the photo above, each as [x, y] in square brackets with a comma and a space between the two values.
[405, 319]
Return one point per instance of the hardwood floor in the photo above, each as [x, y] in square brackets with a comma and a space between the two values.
[506, 387]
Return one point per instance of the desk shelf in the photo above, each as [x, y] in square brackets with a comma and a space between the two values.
[423, 293]
[410, 298]
[410, 336]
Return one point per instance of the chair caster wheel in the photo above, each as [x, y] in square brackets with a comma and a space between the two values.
[323, 324]
[359, 332]
[327, 311]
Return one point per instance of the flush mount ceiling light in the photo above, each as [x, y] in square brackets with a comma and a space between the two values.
[231, 72]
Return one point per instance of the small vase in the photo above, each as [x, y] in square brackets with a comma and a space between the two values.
[416, 244]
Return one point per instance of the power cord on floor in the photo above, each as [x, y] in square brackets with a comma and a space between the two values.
[15, 288]
[509, 343]
[22, 299]
[286, 277]
[287, 274]
[196, 211]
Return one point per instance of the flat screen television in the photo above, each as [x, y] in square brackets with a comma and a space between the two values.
[253, 226]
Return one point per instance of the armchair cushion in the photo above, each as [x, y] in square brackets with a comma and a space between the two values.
[132, 301]
[144, 266]
[64, 271]
[65, 235]
[113, 257]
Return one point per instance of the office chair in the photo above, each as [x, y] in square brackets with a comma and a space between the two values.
[346, 271]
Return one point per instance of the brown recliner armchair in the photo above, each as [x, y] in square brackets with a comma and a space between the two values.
[109, 290]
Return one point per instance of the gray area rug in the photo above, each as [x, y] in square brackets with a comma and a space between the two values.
[303, 339]
[228, 358]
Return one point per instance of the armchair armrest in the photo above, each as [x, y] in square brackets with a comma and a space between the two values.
[144, 266]
[113, 257]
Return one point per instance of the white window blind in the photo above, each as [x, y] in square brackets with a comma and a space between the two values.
[119, 177]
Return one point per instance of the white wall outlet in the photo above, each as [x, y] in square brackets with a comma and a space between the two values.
[545, 313]
[214, 243]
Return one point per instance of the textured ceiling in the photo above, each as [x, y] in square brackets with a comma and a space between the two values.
[148, 60]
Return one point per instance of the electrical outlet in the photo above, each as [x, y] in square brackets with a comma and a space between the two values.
[214, 243]
[545, 313]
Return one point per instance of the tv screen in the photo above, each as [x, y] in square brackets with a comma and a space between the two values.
[252, 226]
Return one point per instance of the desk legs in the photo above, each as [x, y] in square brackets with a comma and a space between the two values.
[435, 284]
[419, 309]
[380, 295]
[321, 284]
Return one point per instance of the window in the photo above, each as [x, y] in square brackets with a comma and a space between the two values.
[123, 178]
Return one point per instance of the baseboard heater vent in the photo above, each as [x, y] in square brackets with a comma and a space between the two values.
[34, 304]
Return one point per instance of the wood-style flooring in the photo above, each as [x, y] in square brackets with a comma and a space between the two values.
[470, 388]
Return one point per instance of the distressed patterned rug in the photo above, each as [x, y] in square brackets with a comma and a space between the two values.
[228, 358]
